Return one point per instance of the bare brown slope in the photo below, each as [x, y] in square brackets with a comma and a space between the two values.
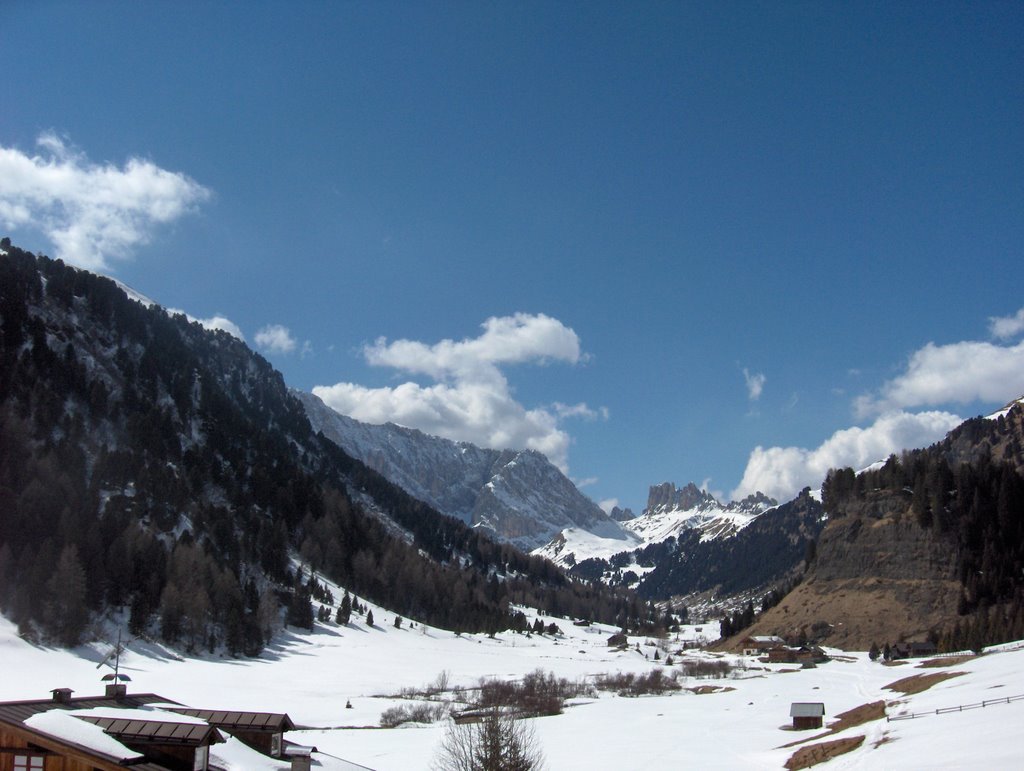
[878, 577]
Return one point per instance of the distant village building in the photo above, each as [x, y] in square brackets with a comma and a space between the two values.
[913, 650]
[760, 645]
[806, 655]
[145, 732]
[618, 640]
[807, 715]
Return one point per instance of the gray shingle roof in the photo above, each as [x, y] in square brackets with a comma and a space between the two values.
[807, 709]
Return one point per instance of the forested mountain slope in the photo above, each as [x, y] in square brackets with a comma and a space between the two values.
[929, 544]
[150, 463]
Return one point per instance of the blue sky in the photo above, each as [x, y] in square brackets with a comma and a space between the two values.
[733, 243]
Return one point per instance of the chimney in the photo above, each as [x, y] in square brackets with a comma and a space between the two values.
[301, 763]
[116, 691]
[62, 695]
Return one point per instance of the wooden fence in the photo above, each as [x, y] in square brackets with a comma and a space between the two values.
[959, 708]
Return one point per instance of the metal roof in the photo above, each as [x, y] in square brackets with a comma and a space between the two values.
[807, 709]
[240, 720]
[156, 731]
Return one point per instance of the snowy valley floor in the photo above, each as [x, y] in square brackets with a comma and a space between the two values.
[311, 676]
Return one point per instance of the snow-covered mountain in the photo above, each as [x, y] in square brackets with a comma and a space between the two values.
[517, 495]
[670, 511]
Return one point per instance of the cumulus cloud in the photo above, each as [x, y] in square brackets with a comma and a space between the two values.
[275, 338]
[955, 373]
[505, 340]
[471, 399]
[755, 384]
[214, 323]
[1006, 327]
[223, 324]
[92, 213]
[781, 472]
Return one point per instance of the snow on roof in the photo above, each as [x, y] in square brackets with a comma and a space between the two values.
[63, 725]
[146, 713]
[233, 755]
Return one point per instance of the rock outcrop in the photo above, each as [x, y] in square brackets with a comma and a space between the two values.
[878, 576]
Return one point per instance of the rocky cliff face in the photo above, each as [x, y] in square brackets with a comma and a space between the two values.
[621, 515]
[671, 511]
[518, 496]
[878, 577]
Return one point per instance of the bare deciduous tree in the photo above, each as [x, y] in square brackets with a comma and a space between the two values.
[498, 742]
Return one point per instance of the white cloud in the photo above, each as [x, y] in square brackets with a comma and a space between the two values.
[92, 213]
[471, 399]
[580, 410]
[223, 324]
[608, 504]
[955, 373]
[275, 338]
[755, 384]
[1006, 327]
[706, 487]
[505, 340]
[781, 472]
[214, 323]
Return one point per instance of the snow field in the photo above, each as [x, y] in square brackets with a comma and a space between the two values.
[311, 676]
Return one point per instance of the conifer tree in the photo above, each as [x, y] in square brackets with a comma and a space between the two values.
[66, 612]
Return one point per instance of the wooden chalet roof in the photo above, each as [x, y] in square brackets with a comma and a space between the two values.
[271, 722]
[143, 731]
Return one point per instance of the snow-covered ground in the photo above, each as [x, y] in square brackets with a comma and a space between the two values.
[312, 676]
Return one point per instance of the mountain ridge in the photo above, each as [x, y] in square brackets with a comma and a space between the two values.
[517, 495]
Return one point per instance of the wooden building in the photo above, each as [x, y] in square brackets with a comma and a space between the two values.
[144, 732]
[804, 654]
[914, 650]
[760, 645]
[263, 731]
[807, 715]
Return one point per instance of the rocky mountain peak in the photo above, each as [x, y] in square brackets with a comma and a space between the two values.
[621, 515]
[666, 496]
